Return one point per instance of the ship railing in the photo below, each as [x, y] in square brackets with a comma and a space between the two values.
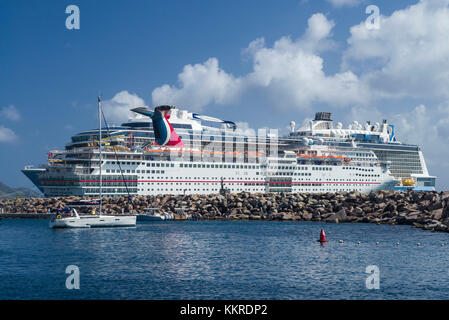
[76, 166]
[30, 167]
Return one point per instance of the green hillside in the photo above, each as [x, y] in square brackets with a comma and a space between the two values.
[8, 192]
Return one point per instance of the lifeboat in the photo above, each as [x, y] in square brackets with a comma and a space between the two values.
[185, 150]
[408, 182]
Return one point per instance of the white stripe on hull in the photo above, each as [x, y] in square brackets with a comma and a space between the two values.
[94, 222]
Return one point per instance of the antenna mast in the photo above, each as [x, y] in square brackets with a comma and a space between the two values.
[99, 148]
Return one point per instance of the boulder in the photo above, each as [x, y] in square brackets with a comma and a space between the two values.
[338, 217]
[437, 214]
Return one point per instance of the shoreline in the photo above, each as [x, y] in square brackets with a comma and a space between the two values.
[425, 210]
[25, 215]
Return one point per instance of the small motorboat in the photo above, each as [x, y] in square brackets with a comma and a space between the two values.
[154, 214]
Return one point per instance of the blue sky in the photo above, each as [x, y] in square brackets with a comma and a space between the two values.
[50, 76]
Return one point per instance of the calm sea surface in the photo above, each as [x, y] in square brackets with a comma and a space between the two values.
[222, 260]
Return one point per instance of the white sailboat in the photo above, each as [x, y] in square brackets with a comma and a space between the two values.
[75, 220]
[70, 218]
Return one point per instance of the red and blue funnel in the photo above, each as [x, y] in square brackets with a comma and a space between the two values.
[164, 133]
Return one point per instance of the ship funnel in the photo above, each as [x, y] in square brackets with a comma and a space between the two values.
[323, 116]
[164, 133]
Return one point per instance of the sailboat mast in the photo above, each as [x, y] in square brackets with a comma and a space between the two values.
[99, 148]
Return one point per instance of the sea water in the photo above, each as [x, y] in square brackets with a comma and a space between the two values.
[222, 260]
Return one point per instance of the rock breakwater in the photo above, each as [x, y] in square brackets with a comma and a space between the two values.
[427, 210]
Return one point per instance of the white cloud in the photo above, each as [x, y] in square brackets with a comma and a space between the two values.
[244, 129]
[296, 79]
[316, 37]
[290, 73]
[7, 135]
[408, 54]
[10, 113]
[200, 85]
[406, 57]
[342, 3]
[117, 109]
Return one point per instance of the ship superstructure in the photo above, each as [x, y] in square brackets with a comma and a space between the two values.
[406, 160]
[172, 151]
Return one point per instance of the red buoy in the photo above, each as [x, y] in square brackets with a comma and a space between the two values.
[322, 237]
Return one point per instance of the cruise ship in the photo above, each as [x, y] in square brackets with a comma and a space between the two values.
[173, 151]
[406, 160]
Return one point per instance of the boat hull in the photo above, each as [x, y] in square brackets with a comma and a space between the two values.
[93, 222]
[148, 217]
[143, 217]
